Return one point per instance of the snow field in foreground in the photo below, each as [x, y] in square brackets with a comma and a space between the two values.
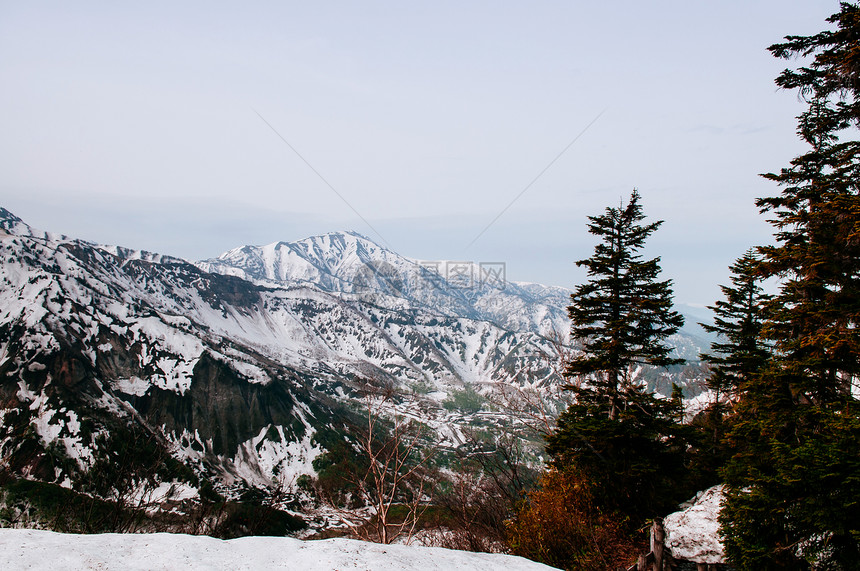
[35, 549]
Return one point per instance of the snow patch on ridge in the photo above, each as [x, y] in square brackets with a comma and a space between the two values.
[277, 456]
[132, 386]
[56, 426]
[251, 373]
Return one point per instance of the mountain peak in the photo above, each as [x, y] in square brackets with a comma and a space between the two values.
[14, 225]
[5, 216]
[348, 241]
[327, 260]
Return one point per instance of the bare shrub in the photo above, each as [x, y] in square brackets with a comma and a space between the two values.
[388, 485]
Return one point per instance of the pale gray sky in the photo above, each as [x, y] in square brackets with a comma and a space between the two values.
[137, 124]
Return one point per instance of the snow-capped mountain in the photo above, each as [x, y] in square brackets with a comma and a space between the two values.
[235, 378]
[357, 269]
[96, 339]
[245, 368]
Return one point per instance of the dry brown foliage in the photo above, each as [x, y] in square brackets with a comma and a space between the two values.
[557, 524]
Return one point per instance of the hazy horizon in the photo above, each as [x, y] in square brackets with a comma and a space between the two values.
[176, 128]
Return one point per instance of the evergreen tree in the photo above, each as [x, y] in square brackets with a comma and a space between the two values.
[623, 313]
[739, 353]
[737, 357]
[793, 488]
[635, 461]
[818, 217]
[620, 436]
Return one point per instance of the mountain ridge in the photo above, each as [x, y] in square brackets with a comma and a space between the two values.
[109, 336]
[249, 367]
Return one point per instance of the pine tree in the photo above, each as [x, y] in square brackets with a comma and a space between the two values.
[620, 436]
[818, 216]
[739, 353]
[623, 313]
[793, 488]
[736, 359]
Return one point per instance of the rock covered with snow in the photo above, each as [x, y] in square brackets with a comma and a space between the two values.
[692, 534]
[33, 549]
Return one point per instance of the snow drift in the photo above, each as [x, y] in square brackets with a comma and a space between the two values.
[33, 549]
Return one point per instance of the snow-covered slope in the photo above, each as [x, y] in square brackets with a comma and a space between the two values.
[236, 377]
[363, 273]
[242, 366]
[93, 338]
[31, 549]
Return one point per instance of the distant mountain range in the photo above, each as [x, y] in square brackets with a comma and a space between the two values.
[243, 367]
